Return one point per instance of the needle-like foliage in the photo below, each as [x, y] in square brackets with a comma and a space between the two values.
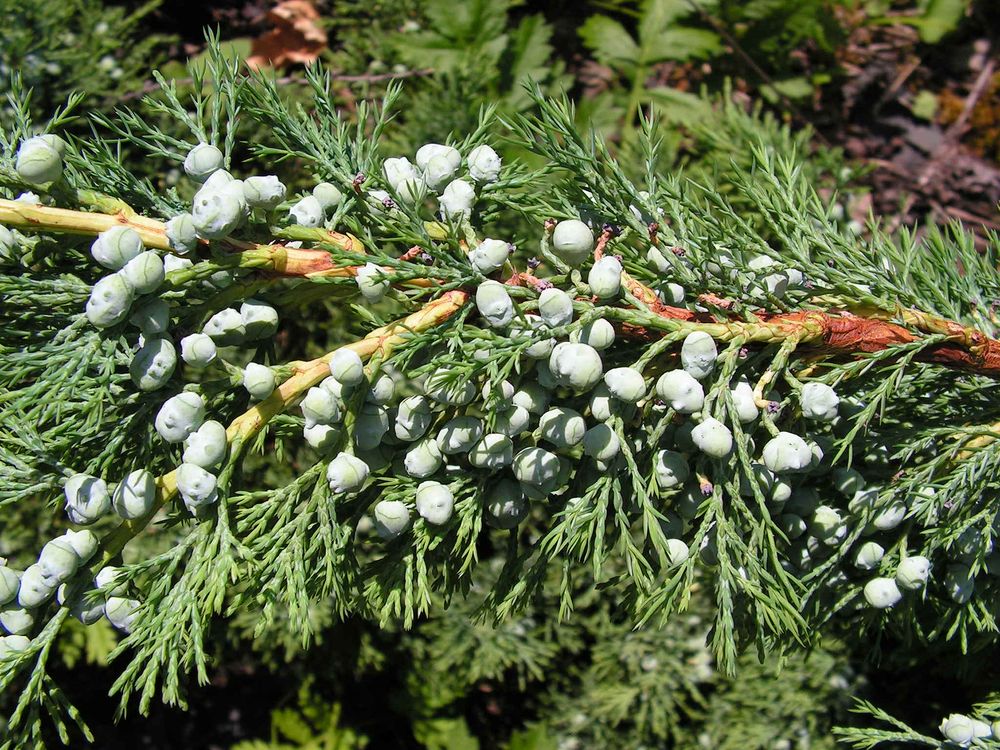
[669, 386]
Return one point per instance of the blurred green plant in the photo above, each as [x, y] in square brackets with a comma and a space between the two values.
[61, 46]
[933, 19]
[660, 36]
[479, 55]
[312, 724]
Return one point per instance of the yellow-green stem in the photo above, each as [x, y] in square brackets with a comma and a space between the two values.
[379, 342]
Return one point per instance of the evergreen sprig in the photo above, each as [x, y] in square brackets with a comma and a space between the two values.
[700, 335]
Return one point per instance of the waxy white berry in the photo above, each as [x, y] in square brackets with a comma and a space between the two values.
[537, 467]
[370, 427]
[135, 494]
[320, 406]
[121, 612]
[13, 644]
[512, 421]
[218, 208]
[9, 583]
[397, 170]
[459, 434]
[572, 241]
[677, 551]
[431, 150]
[561, 426]
[413, 418]
[182, 233]
[179, 416]
[625, 384]
[698, 355]
[392, 518]
[882, 593]
[671, 469]
[346, 367]
[328, 195]
[83, 542]
[555, 307]
[346, 473]
[144, 273]
[109, 301]
[153, 364]
[456, 201]
[87, 498]
[601, 443]
[260, 320]
[198, 350]
[743, 400]
[489, 255]
[786, 452]
[258, 380]
[599, 334]
[681, 391]
[484, 164]
[197, 486]
[321, 436]
[913, 572]
[206, 446]
[226, 327]
[116, 246]
[494, 304]
[506, 506]
[605, 277]
[869, 555]
[435, 502]
[151, 316]
[576, 366]
[713, 438]
[307, 212]
[493, 451]
[15, 619]
[372, 282]
[959, 583]
[57, 561]
[39, 160]
[173, 263]
[819, 401]
[847, 482]
[202, 160]
[423, 459]
[263, 191]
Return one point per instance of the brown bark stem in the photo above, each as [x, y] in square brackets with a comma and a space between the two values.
[279, 259]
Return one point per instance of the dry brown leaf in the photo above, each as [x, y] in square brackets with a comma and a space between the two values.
[295, 38]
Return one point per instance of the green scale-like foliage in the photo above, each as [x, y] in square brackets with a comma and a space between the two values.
[749, 257]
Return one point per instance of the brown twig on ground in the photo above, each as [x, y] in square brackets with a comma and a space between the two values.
[955, 130]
